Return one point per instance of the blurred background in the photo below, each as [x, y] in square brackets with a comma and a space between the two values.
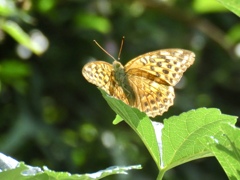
[50, 115]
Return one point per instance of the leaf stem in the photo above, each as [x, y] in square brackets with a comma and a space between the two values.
[160, 175]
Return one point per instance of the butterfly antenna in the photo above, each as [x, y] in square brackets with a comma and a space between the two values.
[120, 50]
[104, 50]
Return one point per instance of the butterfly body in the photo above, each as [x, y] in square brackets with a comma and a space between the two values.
[145, 82]
[119, 73]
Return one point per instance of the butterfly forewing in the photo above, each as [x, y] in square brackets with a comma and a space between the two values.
[166, 66]
[99, 73]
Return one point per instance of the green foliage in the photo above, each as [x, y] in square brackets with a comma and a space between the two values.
[179, 140]
[20, 171]
[139, 122]
[8, 10]
[206, 6]
[14, 73]
[45, 6]
[232, 5]
[89, 21]
[20, 36]
[226, 148]
[181, 134]
[189, 136]
[233, 35]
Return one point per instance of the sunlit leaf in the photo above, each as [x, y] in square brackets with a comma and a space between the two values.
[208, 6]
[181, 135]
[232, 5]
[7, 8]
[89, 21]
[226, 148]
[11, 169]
[20, 36]
[139, 122]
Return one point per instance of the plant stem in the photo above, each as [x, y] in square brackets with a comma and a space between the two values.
[160, 175]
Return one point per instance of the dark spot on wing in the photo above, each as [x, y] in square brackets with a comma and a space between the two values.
[159, 64]
[155, 108]
[165, 71]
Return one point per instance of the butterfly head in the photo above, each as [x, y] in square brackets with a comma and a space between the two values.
[117, 66]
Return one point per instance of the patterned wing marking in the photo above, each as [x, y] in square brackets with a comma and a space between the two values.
[166, 66]
[152, 98]
[99, 74]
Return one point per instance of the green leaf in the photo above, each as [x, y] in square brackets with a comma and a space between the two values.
[14, 73]
[14, 69]
[14, 170]
[7, 8]
[117, 120]
[139, 122]
[232, 5]
[45, 6]
[179, 141]
[93, 176]
[181, 135]
[20, 36]
[226, 148]
[208, 6]
[90, 21]
[233, 34]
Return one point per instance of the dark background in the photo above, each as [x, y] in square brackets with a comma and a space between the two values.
[50, 115]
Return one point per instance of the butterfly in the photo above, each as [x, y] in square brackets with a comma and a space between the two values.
[145, 82]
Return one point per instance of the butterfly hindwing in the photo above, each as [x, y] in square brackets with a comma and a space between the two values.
[152, 98]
